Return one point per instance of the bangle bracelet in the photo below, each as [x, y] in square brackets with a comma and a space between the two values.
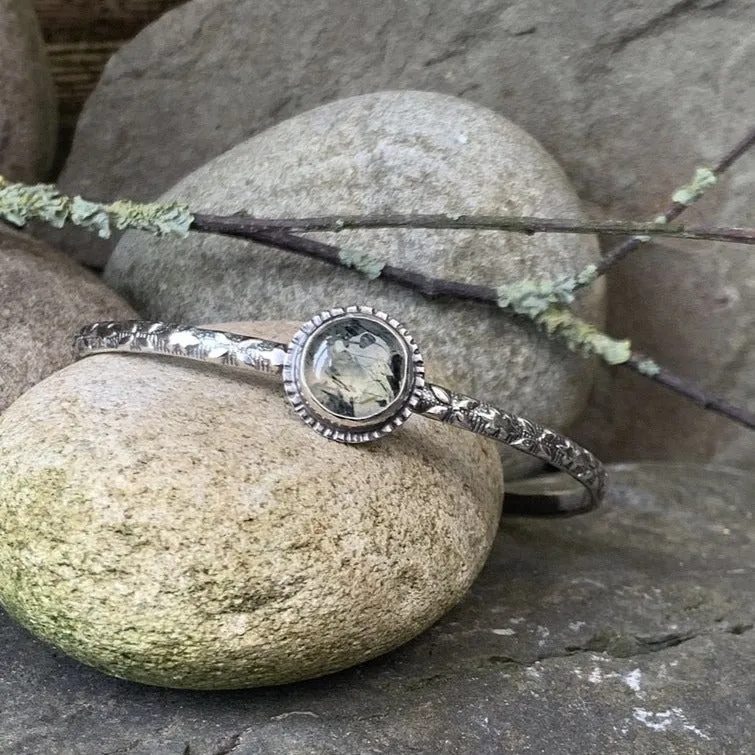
[354, 374]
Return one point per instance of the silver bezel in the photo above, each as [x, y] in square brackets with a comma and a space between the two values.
[342, 429]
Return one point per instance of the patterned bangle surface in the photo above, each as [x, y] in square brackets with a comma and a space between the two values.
[354, 374]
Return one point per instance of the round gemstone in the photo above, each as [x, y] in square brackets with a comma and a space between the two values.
[355, 367]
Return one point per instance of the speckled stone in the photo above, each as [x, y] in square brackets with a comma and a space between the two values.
[44, 298]
[629, 630]
[630, 97]
[390, 151]
[178, 525]
[28, 114]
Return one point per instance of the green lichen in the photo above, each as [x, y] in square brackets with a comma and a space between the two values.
[581, 336]
[587, 275]
[91, 216]
[703, 180]
[530, 298]
[658, 220]
[648, 367]
[686, 195]
[20, 204]
[361, 261]
[159, 219]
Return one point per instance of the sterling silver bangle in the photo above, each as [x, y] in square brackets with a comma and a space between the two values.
[354, 374]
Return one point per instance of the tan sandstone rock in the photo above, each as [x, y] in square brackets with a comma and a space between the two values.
[178, 525]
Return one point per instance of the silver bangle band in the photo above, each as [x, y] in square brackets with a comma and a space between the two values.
[354, 374]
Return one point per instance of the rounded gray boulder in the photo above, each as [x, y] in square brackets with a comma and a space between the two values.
[385, 152]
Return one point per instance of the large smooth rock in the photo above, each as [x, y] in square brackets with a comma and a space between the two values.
[28, 110]
[182, 527]
[44, 298]
[698, 317]
[627, 630]
[629, 97]
[385, 152]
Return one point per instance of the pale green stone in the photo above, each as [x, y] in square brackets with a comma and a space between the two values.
[355, 367]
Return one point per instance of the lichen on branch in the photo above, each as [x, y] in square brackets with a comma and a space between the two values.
[369, 266]
[544, 301]
[530, 298]
[583, 337]
[688, 194]
[20, 204]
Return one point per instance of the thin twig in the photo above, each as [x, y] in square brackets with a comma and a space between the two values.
[666, 378]
[515, 224]
[439, 287]
[619, 252]
[424, 284]
[735, 153]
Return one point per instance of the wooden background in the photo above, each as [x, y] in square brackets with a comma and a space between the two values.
[81, 35]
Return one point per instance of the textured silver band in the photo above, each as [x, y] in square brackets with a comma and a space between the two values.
[436, 402]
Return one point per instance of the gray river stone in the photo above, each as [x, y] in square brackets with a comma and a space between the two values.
[627, 630]
[628, 96]
[384, 152]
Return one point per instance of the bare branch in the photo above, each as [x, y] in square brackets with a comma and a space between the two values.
[439, 287]
[646, 367]
[676, 208]
[514, 224]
